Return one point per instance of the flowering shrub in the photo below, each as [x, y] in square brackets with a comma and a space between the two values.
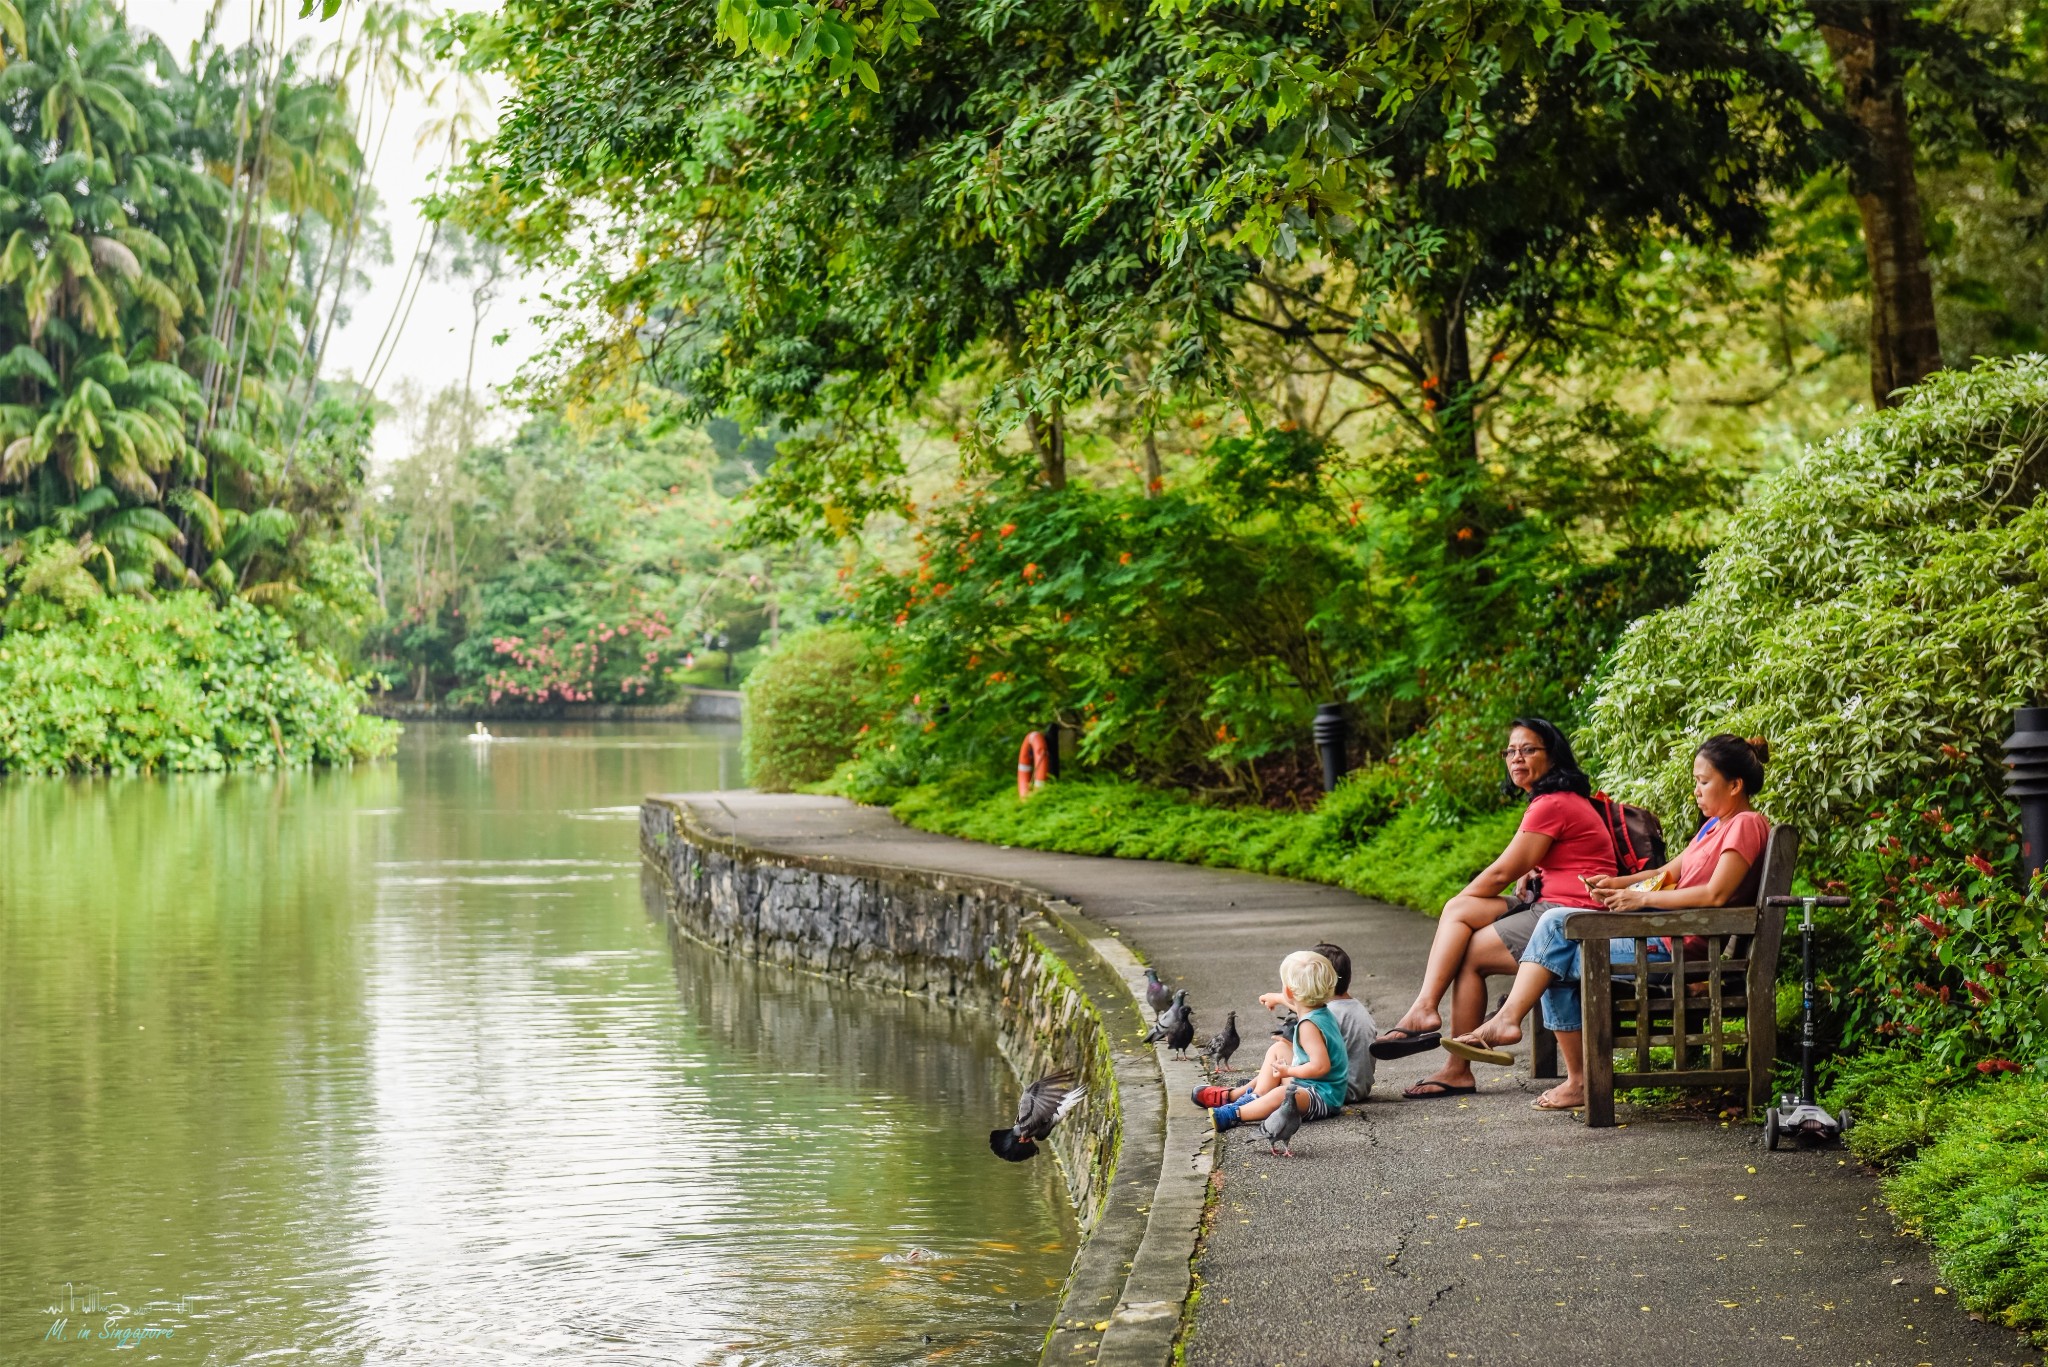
[1877, 611]
[1170, 638]
[1956, 965]
[601, 662]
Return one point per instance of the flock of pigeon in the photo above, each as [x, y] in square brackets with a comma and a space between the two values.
[1175, 1024]
[1052, 1098]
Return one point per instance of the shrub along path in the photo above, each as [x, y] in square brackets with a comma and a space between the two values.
[1474, 1228]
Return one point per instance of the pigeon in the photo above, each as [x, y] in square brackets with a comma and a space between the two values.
[1158, 995]
[1279, 1129]
[1045, 1103]
[1223, 1044]
[1176, 1025]
[1287, 1027]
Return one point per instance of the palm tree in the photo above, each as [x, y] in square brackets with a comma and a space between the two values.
[154, 317]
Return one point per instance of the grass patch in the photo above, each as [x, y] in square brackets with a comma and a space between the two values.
[1405, 859]
[1967, 1170]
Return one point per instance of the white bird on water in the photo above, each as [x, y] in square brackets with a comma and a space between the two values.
[481, 736]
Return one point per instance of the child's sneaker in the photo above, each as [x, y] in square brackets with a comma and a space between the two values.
[1208, 1098]
[1224, 1118]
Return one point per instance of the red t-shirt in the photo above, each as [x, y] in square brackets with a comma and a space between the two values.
[1579, 845]
[1745, 833]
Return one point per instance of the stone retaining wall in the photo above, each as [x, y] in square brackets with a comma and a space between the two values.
[977, 944]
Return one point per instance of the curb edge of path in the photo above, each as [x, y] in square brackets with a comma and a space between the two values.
[1161, 1228]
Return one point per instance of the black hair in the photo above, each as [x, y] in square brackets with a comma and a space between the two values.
[1340, 961]
[1563, 775]
[1734, 757]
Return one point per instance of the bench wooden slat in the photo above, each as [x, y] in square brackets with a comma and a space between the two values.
[1630, 925]
[1698, 1077]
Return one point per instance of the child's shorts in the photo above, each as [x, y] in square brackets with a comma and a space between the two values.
[1318, 1108]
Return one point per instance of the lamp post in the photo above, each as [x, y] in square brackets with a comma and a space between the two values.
[1332, 732]
[2026, 757]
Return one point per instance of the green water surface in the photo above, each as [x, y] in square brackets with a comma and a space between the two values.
[390, 1065]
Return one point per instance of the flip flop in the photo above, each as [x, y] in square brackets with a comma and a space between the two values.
[1539, 1105]
[1475, 1053]
[1398, 1043]
[1438, 1089]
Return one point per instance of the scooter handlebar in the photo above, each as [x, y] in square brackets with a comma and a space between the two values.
[1802, 901]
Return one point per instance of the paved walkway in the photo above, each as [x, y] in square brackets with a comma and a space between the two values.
[1474, 1229]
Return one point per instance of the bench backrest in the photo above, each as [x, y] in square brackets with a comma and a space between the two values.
[1781, 857]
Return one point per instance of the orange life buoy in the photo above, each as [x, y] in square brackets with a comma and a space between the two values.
[1031, 764]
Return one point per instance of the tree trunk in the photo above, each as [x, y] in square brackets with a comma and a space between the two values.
[1905, 343]
[1049, 439]
[1448, 349]
[1155, 478]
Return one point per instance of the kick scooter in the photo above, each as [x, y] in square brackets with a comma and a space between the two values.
[1800, 1119]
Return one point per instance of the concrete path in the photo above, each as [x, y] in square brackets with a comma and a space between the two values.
[1473, 1229]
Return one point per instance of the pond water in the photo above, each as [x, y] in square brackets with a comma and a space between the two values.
[391, 1065]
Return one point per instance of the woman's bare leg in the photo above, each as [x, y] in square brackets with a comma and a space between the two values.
[1485, 957]
[1463, 918]
[1572, 1091]
[1505, 1025]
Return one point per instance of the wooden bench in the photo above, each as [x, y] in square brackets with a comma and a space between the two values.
[1715, 1037]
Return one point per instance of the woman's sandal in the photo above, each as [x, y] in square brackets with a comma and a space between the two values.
[1437, 1089]
[1394, 1042]
[1478, 1053]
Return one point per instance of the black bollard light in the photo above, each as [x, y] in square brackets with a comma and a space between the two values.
[1332, 732]
[1052, 749]
[2026, 756]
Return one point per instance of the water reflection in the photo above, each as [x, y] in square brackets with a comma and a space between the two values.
[390, 1065]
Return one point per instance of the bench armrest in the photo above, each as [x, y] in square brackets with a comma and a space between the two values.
[1637, 925]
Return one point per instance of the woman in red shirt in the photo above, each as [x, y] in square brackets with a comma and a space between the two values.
[1719, 867]
[1561, 843]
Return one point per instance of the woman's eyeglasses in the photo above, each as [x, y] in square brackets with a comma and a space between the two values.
[1523, 750]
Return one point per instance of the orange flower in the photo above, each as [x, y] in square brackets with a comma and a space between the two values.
[1124, 559]
[1007, 528]
[1031, 573]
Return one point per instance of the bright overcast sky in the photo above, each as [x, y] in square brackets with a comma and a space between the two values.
[433, 349]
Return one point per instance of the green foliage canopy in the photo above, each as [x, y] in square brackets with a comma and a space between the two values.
[1039, 195]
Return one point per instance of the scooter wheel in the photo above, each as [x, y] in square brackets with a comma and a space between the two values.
[1771, 1129]
[1844, 1121]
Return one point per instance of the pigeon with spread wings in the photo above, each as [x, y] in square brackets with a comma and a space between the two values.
[1045, 1103]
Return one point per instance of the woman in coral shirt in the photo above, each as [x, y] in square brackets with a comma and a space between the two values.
[1719, 867]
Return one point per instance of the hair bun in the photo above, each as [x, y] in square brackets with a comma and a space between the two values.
[1762, 748]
